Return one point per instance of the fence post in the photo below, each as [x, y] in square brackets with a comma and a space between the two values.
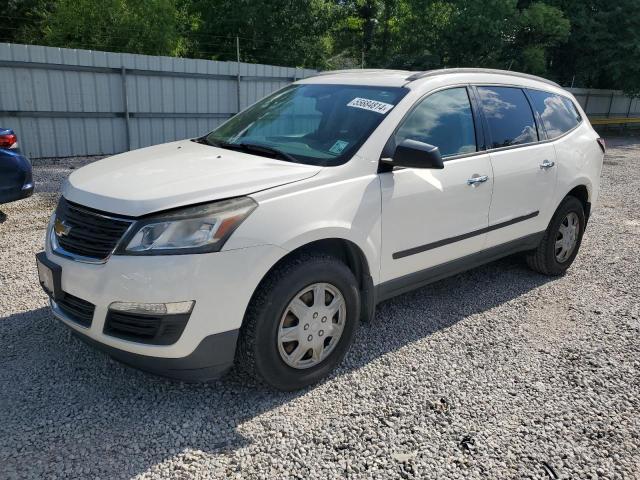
[624, 125]
[238, 63]
[586, 103]
[610, 105]
[125, 100]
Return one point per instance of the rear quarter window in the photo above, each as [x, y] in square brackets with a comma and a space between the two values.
[557, 113]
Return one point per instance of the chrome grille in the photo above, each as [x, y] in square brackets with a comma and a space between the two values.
[82, 231]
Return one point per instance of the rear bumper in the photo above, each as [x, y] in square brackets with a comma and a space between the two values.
[210, 360]
[16, 178]
[12, 194]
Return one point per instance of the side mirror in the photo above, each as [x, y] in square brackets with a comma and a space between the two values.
[414, 154]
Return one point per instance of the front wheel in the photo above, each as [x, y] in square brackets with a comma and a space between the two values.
[301, 322]
[561, 240]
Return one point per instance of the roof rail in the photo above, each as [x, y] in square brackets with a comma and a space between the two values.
[358, 70]
[444, 71]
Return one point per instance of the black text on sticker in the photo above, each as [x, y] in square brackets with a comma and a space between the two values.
[372, 105]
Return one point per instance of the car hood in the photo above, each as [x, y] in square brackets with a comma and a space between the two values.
[174, 175]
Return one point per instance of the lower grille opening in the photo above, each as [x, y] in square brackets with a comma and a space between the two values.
[76, 309]
[143, 328]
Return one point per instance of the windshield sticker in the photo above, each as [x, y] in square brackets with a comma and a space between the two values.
[338, 147]
[372, 105]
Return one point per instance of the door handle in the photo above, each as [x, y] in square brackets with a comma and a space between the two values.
[475, 180]
[546, 164]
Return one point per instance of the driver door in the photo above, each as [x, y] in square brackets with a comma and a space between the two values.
[430, 217]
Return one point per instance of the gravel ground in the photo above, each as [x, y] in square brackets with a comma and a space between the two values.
[495, 373]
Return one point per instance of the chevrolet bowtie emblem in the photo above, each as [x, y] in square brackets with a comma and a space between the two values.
[60, 228]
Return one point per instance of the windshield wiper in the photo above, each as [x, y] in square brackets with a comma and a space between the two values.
[248, 147]
[259, 148]
[205, 141]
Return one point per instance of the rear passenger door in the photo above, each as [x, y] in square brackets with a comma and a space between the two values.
[524, 171]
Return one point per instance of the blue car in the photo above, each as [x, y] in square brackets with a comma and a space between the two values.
[16, 180]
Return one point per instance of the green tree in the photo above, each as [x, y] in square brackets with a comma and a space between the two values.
[152, 27]
[479, 32]
[592, 43]
[603, 50]
[417, 32]
[539, 27]
[423, 34]
[18, 18]
[282, 32]
[472, 33]
[391, 33]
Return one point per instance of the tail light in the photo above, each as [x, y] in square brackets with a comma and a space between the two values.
[603, 146]
[8, 140]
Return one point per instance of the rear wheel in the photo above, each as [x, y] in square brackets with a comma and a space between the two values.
[301, 322]
[561, 241]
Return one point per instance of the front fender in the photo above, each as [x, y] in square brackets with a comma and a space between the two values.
[367, 244]
[348, 210]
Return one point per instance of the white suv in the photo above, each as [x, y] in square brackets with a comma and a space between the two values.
[265, 242]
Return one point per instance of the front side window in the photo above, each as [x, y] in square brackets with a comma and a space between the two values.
[558, 114]
[443, 119]
[317, 124]
[508, 116]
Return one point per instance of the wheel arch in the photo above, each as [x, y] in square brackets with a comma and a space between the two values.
[347, 252]
[581, 192]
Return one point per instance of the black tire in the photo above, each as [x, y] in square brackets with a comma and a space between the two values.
[257, 352]
[543, 259]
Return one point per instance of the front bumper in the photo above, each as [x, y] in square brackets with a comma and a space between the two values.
[221, 284]
[211, 359]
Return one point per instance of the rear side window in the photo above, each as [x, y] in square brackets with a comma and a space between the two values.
[443, 119]
[508, 116]
[558, 114]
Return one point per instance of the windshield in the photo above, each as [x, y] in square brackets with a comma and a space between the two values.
[314, 124]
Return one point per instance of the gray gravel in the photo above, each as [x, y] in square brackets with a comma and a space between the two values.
[495, 373]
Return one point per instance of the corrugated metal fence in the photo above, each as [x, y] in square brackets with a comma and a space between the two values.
[608, 108]
[64, 102]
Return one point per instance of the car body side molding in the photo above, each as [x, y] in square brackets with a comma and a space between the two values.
[464, 236]
[404, 284]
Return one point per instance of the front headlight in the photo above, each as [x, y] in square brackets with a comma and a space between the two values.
[199, 229]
